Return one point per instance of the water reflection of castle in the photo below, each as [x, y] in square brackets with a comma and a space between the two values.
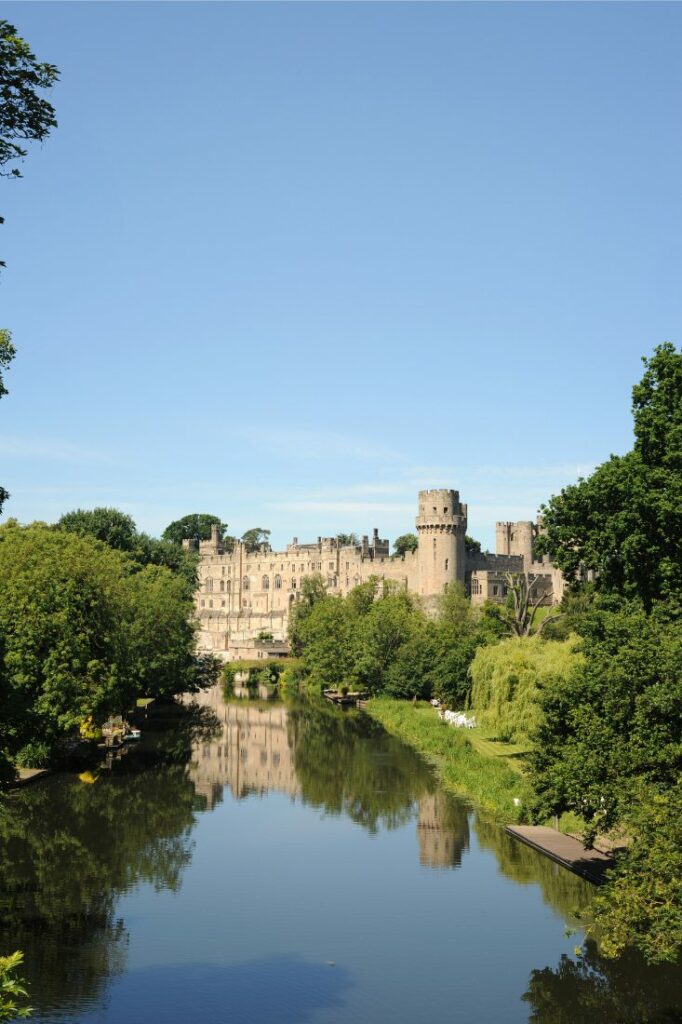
[253, 754]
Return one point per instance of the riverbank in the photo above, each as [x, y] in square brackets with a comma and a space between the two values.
[489, 780]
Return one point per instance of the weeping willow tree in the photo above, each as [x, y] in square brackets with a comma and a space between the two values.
[507, 680]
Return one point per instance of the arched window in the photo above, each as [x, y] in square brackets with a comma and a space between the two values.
[209, 585]
[278, 582]
[265, 583]
[222, 585]
[245, 583]
[293, 584]
[229, 586]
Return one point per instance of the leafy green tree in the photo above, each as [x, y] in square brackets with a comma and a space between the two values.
[327, 641]
[7, 353]
[509, 678]
[388, 624]
[25, 116]
[624, 521]
[615, 722]
[471, 546]
[196, 526]
[642, 905]
[313, 589]
[113, 527]
[406, 542]
[84, 630]
[254, 538]
[12, 991]
[345, 540]
[118, 531]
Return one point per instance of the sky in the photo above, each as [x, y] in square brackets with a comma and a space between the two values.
[290, 263]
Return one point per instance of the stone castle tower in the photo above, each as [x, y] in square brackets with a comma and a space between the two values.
[441, 527]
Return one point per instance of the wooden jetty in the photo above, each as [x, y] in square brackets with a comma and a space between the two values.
[27, 777]
[565, 850]
[345, 699]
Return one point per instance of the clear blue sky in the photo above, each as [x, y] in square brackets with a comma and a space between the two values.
[289, 263]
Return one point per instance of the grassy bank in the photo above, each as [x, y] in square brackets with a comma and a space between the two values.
[479, 769]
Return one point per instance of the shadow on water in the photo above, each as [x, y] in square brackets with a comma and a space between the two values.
[275, 990]
[566, 893]
[594, 990]
[70, 848]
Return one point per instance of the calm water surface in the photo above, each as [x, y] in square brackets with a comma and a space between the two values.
[261, 862]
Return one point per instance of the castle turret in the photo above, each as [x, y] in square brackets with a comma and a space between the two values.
[441, 526]
[516, 539]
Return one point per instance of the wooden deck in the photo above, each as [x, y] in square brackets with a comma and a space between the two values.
[565, 850]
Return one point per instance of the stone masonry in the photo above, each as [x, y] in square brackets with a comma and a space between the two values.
[243, 594]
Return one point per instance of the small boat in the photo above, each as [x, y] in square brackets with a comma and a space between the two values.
[132, 735]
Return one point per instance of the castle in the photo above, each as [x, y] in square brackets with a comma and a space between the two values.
[245, 593]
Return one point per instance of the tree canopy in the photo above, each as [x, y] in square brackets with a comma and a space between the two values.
[406, 542]
[625, 520]
[84, 631]
[7, 353]
[25, 116]
[196, 526]
[255, 537]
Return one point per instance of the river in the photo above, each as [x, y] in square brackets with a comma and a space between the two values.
[256, 862]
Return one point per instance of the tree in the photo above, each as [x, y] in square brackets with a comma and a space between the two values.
[196, 526]
[524, 599]
[508, 681]
[624, 521]
[471, 546]
[313, 589]
[7, 353]
[643, 901]
[113, 527]
[118, 531]
[254, 538]
[84, 631]
[24, 115]
[11, 989]
[345, 540]
[406, 542]
[614, 724]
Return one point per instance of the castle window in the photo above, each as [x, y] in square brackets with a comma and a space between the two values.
[265, 583]
[203, 604]
[245, 583]
[278, 582]
[447, 563]
[229, 586]
[495, 589]
[293, 584]
[445, 511]
[209, 585]
[222, 603]
[222, 584]
[434, 510]
[210, 604]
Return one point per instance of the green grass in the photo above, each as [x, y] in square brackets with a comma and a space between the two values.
[487, 772]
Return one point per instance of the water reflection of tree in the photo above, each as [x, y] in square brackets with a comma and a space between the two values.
[565, 892]
[68, 851]
[348, 764]
[594, 990]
